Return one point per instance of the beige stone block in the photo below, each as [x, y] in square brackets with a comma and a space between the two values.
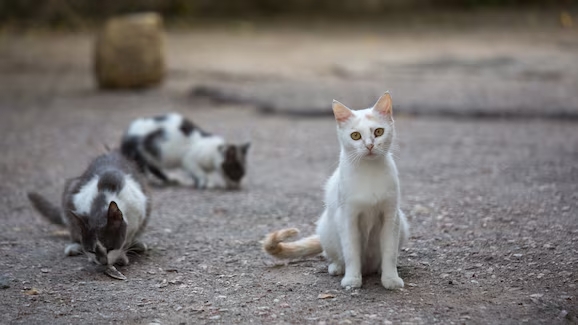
[129, 52]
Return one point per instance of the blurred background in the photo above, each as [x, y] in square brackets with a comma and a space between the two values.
[438, 57]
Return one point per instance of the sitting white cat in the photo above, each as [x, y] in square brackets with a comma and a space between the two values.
[168, 142]
[362, 227]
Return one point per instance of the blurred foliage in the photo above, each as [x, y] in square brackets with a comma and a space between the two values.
[75, 13]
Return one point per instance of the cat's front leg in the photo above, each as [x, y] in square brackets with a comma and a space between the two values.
[196, 172]
[348, 223]
[215, 181]
[389, 243]
[73, 249]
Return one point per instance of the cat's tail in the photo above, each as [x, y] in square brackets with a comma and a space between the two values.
[274, 245]
[46, 208]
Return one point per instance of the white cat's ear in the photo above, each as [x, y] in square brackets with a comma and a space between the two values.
[341, 112]
[384, 105]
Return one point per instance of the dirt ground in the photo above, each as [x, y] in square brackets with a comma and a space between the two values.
[493, 202]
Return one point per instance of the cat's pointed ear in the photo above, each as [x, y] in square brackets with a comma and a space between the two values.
[384, 105]
[245, 147]
[114, 214]
[341, 112]
[79, 220]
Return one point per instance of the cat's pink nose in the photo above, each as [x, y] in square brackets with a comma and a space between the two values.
[370, 146]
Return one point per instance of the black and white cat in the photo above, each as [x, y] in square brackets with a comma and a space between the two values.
[105, 209]
[171, 141]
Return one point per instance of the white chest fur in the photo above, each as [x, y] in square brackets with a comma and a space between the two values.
[370, 184]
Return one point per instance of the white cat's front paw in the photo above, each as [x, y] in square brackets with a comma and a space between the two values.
[351, 282]
[392, 282]
[335, 269]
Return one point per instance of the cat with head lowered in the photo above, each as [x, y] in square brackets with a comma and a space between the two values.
[105, 209]
[171, 141]
[362, 227]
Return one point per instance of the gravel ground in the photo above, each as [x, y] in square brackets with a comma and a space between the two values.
[493, 203]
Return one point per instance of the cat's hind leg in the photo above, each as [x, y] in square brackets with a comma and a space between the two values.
[331, 245]
[73, 249]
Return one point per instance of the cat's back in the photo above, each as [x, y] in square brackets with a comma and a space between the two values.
[146, 125]
[111, 177]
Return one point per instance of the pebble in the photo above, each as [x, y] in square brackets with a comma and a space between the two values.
[4, 283]
[537, 295]
[419, 209]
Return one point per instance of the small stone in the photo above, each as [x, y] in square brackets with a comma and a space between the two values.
[129, 52]
[444, 275]
[517, 255]
[32, 292]
[44, 270]
[4, 283]
[411, 285]
[565, 274]
[325, 296]
[419, 209]
[215, 317]
[537, 295]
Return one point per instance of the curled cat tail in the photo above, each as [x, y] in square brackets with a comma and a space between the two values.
[273, 244]
[45, 208]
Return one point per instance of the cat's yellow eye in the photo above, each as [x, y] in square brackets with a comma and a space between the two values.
[378, 132]
[356, 135]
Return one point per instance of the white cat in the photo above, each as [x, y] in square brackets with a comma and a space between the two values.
[362, 227]
[171, 141]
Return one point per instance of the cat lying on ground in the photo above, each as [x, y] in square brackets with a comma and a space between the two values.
[172, 142]
[362, 227]
[105, 210]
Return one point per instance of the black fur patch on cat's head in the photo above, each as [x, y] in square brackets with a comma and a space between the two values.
[234, 162]
[104, 230]
[160, 118]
